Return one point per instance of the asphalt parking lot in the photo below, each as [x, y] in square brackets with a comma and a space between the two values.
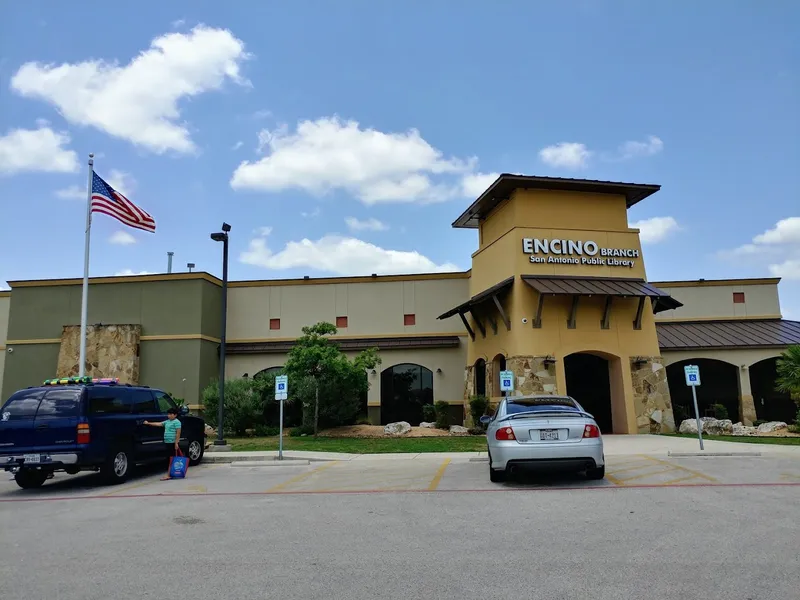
[434, 526]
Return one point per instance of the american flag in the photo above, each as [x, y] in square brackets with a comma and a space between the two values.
[109, 201]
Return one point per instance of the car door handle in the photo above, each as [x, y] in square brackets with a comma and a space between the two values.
[140, 421]
[42, 426]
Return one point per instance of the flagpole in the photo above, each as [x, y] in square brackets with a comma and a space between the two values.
[85, 292]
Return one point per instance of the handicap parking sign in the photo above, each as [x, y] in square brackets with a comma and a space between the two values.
[692, 373]
[506, 381]
[281, 387]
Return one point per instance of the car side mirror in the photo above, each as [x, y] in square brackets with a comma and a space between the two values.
[486, 419]
[184, 410]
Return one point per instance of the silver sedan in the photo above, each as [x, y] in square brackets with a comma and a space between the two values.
[552, 432]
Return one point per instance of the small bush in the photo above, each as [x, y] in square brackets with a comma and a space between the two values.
[442, 409]
[477, 431]
[302, 430]
[267, 431]
[429, 413]
[680, 414]
[477, 408]
[720, 412]
[363, 420]
[758, 422]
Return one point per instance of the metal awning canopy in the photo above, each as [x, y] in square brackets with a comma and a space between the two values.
[477, 302]
[608, 287]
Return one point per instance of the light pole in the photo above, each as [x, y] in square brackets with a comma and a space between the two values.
[222, 236]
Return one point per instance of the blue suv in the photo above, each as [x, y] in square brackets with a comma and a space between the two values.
[85, 424]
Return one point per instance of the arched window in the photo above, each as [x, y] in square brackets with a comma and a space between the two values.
[479, 373]
[498, 364]
[268, 371]
[405, 389]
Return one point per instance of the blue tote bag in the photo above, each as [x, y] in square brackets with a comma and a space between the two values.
[178, 465]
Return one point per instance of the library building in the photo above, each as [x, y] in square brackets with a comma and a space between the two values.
[557, 293]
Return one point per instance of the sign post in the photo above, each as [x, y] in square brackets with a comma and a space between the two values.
[692, 373]
[506, 382]
[281, 395]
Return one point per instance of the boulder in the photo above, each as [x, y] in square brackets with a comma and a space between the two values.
[210, 431]
[718, 427]
[772, 427]
[427, 425]
[688, 426]
[458, 430]
[399, 428]
[740, 430]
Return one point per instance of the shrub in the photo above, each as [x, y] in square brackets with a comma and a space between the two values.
[477, 408]
[363, 420]
[477, 431]
[428, 413]
[243, 407]
[267, 431]
[680, 414]
[720, 412]
[442, 409]
[302, 430]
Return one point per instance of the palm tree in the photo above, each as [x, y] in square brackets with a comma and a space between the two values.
[788, 368]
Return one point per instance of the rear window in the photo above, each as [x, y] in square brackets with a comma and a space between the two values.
[22, 406]
[58, 404]
[556, 403]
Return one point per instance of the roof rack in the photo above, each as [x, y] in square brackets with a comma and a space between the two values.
[82, 381]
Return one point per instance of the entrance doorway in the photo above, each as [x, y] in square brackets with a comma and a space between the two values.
[771, 404]
[717, 394]
[589, 382]
[405, 389]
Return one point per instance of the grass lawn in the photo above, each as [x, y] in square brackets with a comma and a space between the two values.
[363, 445]
[784, 441]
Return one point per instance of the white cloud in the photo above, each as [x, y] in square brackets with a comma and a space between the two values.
[655, 229]
[330, 154]
[370, 224]
[73, 192]
[122, 238]
[139, 102]
[130, 273]
[778, 246]
[263, 231]
[40, 150]
[475, 184]
[568, 155]
[310, 215]
[633, 149]
[341, 256]
[237, 145]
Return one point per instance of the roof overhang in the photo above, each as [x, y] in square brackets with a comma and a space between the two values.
[349, 344]
[477, 299]
[728, 335]
[506, 183]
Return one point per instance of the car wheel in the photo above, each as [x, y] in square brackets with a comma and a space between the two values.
[117, 466]
[28, 479]
[195, 452]
[496, 476]
[598, 473]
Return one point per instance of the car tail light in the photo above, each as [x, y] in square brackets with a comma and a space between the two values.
[83, 433]
[505, 433]
[591, 431]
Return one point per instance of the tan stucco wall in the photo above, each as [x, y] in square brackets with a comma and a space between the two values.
[716, 301]
[371, 307]
[5, 304]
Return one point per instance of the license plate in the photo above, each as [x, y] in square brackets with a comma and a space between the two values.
[32, 458]
[548, 435]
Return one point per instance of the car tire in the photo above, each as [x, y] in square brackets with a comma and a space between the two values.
[28, 479]
[195, 451]
[596, 473]
[117, 466]
[496, 476]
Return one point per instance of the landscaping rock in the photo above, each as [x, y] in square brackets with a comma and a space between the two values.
[458, 430]
[772, 427]
[210, 431]
[688, 426]
[427, 425]
[742, 430]
[399, 428]
[718, 427]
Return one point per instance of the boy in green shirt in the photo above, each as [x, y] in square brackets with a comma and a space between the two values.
[172, 433]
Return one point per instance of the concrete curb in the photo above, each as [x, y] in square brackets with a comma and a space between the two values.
[710, 454]
[270, 463]
[236, 458]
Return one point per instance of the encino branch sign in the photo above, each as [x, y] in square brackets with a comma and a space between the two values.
[573, 252]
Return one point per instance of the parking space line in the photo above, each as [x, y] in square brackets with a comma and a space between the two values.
[664, 462]
[301, 477]
[641, 466]
[679, 480]
[439, 474]
[648, 474]
[614, 480]
[128, 488]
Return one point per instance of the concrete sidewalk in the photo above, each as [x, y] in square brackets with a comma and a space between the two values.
[615, 445]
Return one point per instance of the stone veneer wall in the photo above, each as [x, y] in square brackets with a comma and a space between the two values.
[111, 351]
[651, 396]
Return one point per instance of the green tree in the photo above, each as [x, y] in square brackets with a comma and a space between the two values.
[323, 378]
[243, 405]
[788, 368]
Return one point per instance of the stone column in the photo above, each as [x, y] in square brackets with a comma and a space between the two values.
[469, 391]
[747, 408]
[531, 375]
[651, 396]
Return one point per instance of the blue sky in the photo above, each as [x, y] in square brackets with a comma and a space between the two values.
[345, 137]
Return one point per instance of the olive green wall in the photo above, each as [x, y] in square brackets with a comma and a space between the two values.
[28, 365]
[211, 309]
[165, 364]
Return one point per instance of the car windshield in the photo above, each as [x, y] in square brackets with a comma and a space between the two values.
[555, 403]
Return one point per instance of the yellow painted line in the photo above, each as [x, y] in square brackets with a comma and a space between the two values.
[197, 488]
[130, 487]
[301, 477]
[643, 475]
[678, 480]
[641, 466]
[439, 474]
[614, 480]
[790, 476]
[692, 471]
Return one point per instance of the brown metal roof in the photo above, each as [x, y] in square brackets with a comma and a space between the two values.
[728, 334]
[479, 297]
[602, 286]
[506, 183]
[350, 344]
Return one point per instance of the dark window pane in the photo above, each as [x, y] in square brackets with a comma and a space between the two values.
[143, 402]
[107, 400]
[22, 406]
[60, 403]
[163, 401]
[553, 403]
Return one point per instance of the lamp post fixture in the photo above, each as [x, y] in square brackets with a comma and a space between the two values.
[222, 236]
